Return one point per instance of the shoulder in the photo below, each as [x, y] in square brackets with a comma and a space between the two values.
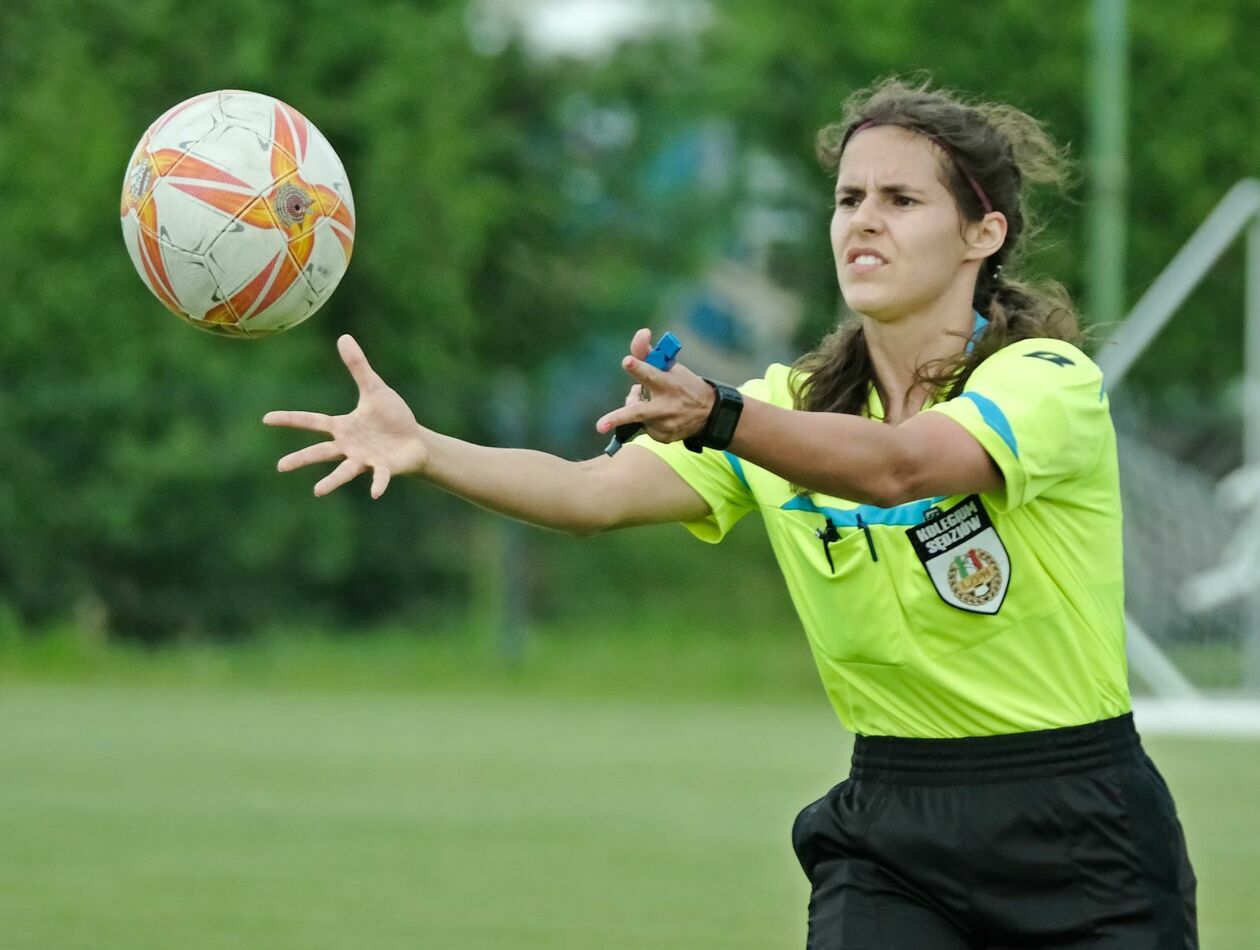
[777, 386]
[1037, 361]
[1047, 349]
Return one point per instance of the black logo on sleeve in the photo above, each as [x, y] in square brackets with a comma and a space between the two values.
[1058, 359]
[964, 557]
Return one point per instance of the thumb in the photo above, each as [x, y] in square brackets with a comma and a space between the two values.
[641, 344]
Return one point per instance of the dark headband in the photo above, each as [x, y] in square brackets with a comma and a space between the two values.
[857, 127]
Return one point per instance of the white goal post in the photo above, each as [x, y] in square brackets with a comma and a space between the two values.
[1177, 704]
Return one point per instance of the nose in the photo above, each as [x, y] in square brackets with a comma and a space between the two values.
[865, 217]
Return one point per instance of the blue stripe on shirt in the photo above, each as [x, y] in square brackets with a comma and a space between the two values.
[995, 418]
[738, 467]
[909, 514]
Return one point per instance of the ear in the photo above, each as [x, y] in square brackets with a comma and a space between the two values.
[985, 236]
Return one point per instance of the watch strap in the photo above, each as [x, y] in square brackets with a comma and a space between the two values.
[719, 428]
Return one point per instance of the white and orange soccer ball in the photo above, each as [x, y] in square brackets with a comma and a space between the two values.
[237, 214]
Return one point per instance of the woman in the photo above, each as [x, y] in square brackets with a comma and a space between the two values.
[939, 484]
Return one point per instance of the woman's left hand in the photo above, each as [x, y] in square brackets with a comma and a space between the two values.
[671, 405]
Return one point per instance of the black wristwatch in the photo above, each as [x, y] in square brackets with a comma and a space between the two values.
[719, 429]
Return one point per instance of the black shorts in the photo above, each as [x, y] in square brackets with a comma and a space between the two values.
[1064, 838]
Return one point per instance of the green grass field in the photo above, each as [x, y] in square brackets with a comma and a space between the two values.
[159, 810]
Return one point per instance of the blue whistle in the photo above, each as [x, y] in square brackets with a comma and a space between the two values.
[663, 356]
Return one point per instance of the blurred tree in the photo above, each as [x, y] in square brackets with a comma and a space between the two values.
[509, 209]
[1195, 117]
[137, 474]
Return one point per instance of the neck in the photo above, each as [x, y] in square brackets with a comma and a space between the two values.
[899, 347]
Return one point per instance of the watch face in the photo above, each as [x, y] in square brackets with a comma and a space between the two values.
[727, 410]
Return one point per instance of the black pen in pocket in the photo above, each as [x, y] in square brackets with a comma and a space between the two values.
[828, 536]
[870, 541]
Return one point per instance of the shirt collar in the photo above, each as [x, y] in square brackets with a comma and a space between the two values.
[875, 408]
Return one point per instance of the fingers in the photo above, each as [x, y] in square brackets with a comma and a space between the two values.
[380, 481]
[345, 472]
[641, 344]
[312, 421]
[635, 395]
[646, 374]
[356, 362]
[323, 452]
[628, 413]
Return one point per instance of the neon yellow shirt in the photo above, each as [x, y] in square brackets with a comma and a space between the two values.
[959, 616]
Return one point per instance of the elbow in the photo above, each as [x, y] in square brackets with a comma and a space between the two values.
[599, 507]
[586, 530]
[899, 481]
[572, 529]
[887, 492]
[883, 488]
[597, 520]
[594, 530]
[892, 495]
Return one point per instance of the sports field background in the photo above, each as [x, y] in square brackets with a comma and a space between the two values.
[232, 715]
[310, 793]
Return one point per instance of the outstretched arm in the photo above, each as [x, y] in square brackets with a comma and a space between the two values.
[382, 435]
[634, 487]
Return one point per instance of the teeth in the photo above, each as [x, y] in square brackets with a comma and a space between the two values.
[865, 259]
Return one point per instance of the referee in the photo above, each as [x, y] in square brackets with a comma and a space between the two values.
[939, 484]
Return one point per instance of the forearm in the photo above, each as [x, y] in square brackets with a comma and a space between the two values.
[930, 454]
[531, 486]
[835, 454]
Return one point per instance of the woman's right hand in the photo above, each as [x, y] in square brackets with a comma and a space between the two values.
[381, 434]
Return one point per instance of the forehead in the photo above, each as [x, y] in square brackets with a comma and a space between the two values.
[888, 153]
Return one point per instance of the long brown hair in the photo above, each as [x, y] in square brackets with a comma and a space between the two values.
[1000, 149]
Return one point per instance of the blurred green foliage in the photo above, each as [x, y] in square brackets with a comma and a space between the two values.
[495, 231]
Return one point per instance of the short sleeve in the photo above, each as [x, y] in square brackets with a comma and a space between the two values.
[718, 477]
[1039, 409]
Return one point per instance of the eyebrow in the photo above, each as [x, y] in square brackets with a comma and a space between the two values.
[884, 189]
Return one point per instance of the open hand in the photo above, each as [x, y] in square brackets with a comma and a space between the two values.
[381, 433]
[671, 405]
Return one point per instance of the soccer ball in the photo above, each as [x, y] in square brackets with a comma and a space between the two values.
[237, 214]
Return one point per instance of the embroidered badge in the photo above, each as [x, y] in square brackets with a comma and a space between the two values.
[974, 577]
[964, 557]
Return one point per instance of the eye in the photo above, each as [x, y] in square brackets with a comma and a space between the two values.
[903, 201]
[846, 201]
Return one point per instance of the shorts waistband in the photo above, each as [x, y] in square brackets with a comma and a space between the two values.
[1046, 752]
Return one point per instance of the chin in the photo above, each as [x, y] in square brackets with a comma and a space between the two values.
[868, 302]
[884, 304]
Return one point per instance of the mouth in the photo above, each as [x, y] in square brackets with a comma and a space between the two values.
[862, 260]
[864, 255]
